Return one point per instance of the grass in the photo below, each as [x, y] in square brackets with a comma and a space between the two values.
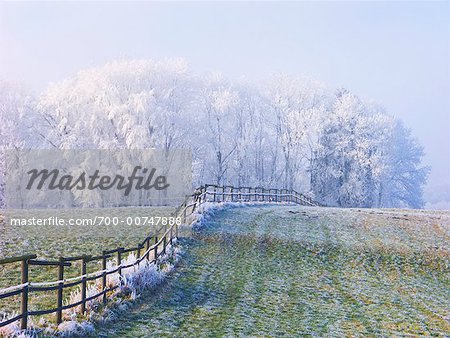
[291, 271]
[51, 241]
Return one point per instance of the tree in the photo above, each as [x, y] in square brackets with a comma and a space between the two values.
[404, 176]
[291, 133]
[18, 125]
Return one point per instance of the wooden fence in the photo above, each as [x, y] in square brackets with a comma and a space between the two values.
[215, 193]
[150, 249]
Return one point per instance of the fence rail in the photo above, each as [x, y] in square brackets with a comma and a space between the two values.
[216, 193]
[150, 249]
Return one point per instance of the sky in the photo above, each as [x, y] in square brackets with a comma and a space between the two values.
[394, 53]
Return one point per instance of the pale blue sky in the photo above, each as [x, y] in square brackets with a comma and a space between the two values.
[396, 53]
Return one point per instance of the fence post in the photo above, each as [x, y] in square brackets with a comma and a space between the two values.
[24, 300]
[194, 206]
[83, 285]
[205, 196]
[164, 244]
[60, 290]
[104, 276]
[196, 198]
[171, 235]
[223, 193]
[156, 248]
[215, 191]
[147, 246]
[119, 262]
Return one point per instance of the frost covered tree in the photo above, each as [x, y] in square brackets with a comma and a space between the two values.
[366, 158]
[404, 176]
[134, 104]
[340, 178]
[19, 125]
[220, 103]
[299, 107]
[287, 133]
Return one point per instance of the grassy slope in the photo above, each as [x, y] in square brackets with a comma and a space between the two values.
[265, 271]
[50, 242]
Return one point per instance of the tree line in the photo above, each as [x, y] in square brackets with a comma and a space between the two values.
[287, 132]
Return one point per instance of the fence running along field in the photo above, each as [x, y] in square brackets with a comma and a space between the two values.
[150, 249]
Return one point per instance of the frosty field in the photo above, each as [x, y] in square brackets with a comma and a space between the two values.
[51, 241]
[290, 270]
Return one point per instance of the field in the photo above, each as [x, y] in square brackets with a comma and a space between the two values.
[51, 241]
[290, 270]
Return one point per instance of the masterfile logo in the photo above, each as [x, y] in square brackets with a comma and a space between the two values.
[39, 178]
[96, 178]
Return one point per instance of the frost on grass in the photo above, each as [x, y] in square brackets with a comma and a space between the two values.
[133, 281]
[205, 212]
[302, 271]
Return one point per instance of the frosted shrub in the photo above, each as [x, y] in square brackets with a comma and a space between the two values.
[148, 275]
[11, 329]
[72, 327]
[75, 296]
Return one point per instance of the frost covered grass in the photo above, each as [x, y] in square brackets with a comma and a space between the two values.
[50, 242]
[289, 270]
[132, 283]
